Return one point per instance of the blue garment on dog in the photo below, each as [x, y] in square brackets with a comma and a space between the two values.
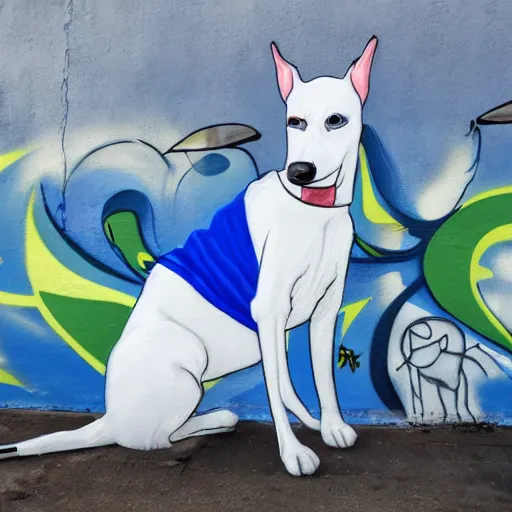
[220, 262]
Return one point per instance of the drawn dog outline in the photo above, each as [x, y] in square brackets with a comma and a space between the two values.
[302, 233]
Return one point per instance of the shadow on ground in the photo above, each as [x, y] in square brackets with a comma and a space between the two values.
[437, 470]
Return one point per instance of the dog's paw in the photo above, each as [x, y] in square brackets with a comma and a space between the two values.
[338, 434]
[300, 460]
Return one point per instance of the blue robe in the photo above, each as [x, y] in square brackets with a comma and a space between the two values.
[220, 262]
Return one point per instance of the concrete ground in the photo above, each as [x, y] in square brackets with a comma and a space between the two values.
[420, 470]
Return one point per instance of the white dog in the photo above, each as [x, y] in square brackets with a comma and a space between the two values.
[274, 258]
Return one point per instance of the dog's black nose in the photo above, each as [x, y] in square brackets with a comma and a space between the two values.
[301, 173]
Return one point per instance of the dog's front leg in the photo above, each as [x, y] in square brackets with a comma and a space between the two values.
[335, 432]
[298, 459]
[270, 309]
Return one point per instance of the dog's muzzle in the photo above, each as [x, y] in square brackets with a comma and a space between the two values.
[301, 173]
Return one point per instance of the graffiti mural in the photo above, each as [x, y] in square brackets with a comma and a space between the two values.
[423, 334]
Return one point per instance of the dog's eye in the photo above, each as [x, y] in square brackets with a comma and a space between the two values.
[297, 122]
[335, 121]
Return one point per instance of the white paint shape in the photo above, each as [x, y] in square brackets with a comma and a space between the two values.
[389, 287]
[440, 196]
[48, 160]
[499, 303]
[502, 264]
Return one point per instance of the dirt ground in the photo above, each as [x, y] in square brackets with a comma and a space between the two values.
[420, 470]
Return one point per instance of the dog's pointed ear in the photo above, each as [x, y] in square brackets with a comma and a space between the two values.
[360, 69]
[287, 75]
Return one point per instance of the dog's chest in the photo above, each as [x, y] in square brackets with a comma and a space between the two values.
[304, 246]
[315, 259]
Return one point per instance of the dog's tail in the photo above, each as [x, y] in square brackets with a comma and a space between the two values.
[92, 435]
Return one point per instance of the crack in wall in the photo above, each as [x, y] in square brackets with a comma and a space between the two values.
[64, 89]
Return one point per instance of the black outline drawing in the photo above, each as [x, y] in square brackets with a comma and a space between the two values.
[481, 119]
[417, 378]
[251, 136]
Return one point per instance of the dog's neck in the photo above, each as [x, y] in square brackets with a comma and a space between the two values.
[340, 194]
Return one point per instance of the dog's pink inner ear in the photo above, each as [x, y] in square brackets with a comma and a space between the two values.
[360, 73]
[284, 73]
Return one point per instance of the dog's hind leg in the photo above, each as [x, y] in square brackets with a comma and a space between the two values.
[294, 404]
[290, 399]
[215, 422]
[153, 383]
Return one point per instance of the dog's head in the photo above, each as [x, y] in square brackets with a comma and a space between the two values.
[324, 121]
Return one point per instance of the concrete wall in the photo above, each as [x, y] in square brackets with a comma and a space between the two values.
[83, 218]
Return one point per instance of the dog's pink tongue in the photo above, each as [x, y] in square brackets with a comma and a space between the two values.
[319, 196]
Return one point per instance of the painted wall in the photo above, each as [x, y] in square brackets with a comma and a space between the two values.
[94, 94]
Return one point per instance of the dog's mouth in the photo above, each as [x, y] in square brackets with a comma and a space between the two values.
[325, 178]
[303, 174]
[319, 196]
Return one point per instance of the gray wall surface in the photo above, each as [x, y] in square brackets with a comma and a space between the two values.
[143, 66]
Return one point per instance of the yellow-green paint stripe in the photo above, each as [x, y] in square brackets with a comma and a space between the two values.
[373, 211]
[9, 379]
[14, 299]
[486, 195]
[8, 159]
[351, 312]
[478, 273]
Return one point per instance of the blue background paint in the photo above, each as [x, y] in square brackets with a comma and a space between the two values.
[159, 72]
